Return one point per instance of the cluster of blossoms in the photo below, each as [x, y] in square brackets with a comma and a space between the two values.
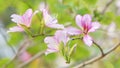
[62, 35]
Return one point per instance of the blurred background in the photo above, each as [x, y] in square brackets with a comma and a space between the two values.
[107, 12]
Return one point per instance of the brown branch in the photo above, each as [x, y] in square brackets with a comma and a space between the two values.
[32, 59]
[106, 6]
[97, 58]
[101, 50]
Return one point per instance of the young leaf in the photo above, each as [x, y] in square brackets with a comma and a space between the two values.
[72, 49]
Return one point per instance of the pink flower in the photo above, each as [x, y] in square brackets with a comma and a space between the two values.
[25, 19]
[51, 21]
[86, 25]
[25, 56]
[54, 42]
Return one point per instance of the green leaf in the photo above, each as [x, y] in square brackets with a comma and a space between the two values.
[72, 49]
[62, 48]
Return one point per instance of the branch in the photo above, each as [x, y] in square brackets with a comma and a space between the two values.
[97, 58]
[17, 54]
[32, 59]
[106, 6]
[101, 50]
[41, 35]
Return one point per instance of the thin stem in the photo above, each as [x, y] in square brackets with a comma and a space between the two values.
[17, 54]
[101, 50]
[97, 58]
[106, 6]
[37, 35]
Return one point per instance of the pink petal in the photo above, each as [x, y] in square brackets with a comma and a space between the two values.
[61, 36]
[86, 21]
[48, 18]
[87, 40]
[57, 26]
[26, 18]
[51, 21]
[28, 13]
[72, 31]
[16, 18]
[52, 45]
[48, 51]
[51, 40]
[15, 29]
[95, 25]
[78, 20]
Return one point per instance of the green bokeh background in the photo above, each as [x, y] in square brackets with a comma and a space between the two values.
[65, 12]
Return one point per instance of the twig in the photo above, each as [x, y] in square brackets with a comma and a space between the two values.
[37, 35]
[17, 54]
[97, 58]
[101, 50]
[106, 6]
[32, 59]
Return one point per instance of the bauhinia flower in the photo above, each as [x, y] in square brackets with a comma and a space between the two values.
[54, 42]
[50, 21]
[86, 26]
[25, 20]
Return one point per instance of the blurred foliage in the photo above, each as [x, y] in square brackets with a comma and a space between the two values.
[65, 12]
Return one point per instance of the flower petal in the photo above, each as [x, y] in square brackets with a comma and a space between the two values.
[87, 40]
[57, 26]
[48, 18]
[86, 21]
[72, 31]
[26, 18]
[78, 20]
[15, 29]
[52, 45]
[51, 40]
[61, 36]
[16, 18]
[48, 51]
[95, 25]
[51, 21]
